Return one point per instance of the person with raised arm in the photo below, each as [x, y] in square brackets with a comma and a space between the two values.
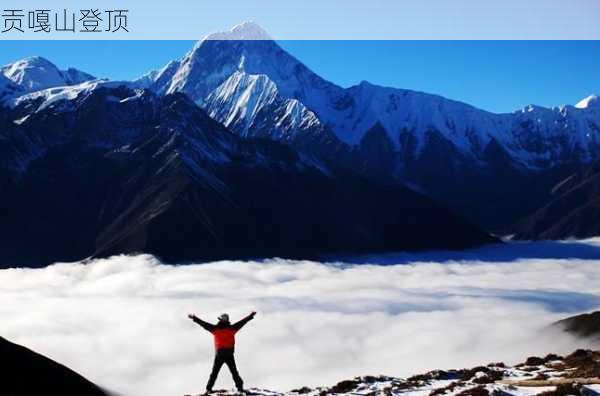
[224, 339]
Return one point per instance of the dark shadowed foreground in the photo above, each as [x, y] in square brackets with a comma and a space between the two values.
[26, 373]
[585, 325]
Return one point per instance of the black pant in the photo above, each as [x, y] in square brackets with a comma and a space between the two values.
[224, 356]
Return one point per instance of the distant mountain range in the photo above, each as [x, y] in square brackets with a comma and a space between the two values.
[246, 152]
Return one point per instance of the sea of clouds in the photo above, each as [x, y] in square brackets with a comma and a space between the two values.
[122, 322]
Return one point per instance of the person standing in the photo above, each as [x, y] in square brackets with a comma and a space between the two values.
[224, 339]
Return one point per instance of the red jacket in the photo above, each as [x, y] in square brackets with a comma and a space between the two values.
[224, 332]
[224, 338]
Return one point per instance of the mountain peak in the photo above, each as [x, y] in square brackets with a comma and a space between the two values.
[29, 62]
[33, 73]
[589, 102]
[34, 60]
[243, 31]
[37, 73]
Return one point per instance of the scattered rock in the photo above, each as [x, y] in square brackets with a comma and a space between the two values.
[551, 357]
[534, 361]
[541, 377]
[449, 388]
[343, 387]
[302, 390]
[564, 390]
[576, 374]
[487, 375]
[476, 391]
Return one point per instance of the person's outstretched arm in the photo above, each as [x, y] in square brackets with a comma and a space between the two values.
[241, 323]
[207, 326]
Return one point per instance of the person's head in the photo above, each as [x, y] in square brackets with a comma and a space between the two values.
[224, 318]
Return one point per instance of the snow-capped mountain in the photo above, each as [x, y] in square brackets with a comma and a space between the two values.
[435, 145]
[534, 137]
[37, 73]
[100, 169]
[244, 31]
[476, 162]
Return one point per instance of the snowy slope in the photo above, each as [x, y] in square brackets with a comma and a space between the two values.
[241, 97]
[251, 104]
[592, 101]
[62, 94]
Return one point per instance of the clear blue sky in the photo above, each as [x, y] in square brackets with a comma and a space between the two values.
[495, 75]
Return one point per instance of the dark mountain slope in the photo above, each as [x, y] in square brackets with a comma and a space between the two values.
[26, 373]
[122, 171]
[574, 210]
[585, 325]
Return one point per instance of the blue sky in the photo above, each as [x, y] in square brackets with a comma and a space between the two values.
[341, 19]
[495, 75]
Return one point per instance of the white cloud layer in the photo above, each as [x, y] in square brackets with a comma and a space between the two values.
[122, 323]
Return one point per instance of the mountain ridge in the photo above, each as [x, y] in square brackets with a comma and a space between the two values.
[475, 162]
[117, 171]
[332, 103]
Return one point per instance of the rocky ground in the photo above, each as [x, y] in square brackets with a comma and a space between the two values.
[577, 374]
